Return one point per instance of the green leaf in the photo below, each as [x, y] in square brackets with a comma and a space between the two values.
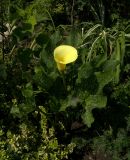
[32, 20]
[25, 55]
[90, 31]
[70, 101]
[21, 33]
[47, 60]
[55, 39]
[99, 60]
[93, 101]
[85, 71]
[117, 56]
[27, 91]
[26, 27]
[107, 75]
[96, 101]
[122, 47]
[15, 110]
[110, 65]
[90, 84]
[25, 108]
[80, 142]
[88, 117]
[42, 39]
[103, 79]
[92, 48]
[74, 38]
[43, 79]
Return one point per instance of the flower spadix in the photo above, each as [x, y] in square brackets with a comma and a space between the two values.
[63, 55]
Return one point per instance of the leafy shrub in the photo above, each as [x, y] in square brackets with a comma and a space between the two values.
[46, 109]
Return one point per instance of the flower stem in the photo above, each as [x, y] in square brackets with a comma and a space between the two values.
[64, 81]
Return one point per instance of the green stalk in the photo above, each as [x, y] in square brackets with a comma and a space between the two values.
[51, 19]
[64, 81]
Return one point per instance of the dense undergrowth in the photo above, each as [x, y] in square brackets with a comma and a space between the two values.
[81, 113]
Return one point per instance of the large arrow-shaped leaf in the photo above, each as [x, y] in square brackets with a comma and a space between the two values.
[93, 101]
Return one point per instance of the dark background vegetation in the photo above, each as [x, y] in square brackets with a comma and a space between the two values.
[82, 114]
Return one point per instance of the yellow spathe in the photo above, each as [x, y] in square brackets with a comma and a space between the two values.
[63, 55]
[61, 66]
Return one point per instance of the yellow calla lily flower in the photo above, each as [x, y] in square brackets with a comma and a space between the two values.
[63, 55]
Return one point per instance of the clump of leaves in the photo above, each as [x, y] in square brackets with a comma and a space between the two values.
[34, 141]
[107, 146]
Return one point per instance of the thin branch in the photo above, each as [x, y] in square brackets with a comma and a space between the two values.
[2, 24]
[72, 11]
[51, 19]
